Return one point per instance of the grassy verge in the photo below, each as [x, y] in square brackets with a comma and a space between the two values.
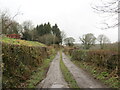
[39, 74]
[99, 73]
[67, 75]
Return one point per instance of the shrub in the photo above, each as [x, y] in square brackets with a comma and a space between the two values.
[78, 54]
[101, 58]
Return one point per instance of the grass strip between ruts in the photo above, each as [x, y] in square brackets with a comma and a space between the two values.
[67, 75]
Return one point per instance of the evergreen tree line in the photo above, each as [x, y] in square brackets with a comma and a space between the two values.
[44, 33]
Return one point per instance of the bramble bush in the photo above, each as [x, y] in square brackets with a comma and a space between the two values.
[102, 58]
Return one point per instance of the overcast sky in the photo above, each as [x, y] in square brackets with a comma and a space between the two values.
[74, 17]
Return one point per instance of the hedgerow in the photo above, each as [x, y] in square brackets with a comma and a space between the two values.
[20, 61]
[101, 58]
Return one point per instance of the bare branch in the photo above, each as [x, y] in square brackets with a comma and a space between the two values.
[110, 8]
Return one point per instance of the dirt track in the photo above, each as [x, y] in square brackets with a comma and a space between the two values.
[54, 77]
[83, 79]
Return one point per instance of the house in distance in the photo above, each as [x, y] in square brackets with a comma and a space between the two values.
[16, 36]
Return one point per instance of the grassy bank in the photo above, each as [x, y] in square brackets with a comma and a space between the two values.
[67, 75]
[20, 42]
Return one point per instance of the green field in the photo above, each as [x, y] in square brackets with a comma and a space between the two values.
[21, 42]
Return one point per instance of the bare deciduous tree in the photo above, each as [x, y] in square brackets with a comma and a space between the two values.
[88, 40]
[69, 41]
[63, 36]
[27, 25]
[102, 39]
[6, 20]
